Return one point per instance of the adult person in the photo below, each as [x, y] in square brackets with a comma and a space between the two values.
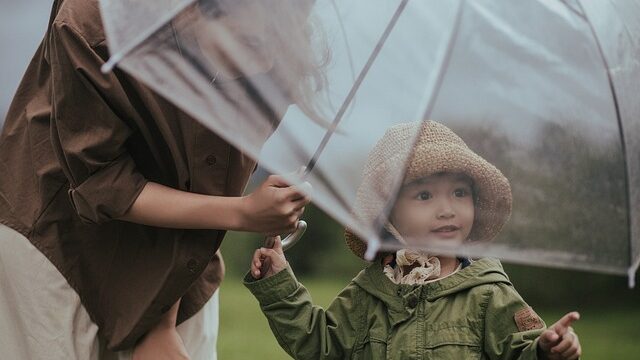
[113, 202]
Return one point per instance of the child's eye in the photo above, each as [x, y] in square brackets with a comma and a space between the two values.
[424, 195]
[461, 192]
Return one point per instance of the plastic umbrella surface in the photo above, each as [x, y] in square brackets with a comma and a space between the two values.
[547, 91]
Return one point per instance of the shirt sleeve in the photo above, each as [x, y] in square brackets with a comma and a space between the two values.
[503, 337]
[88, 129]
[303, 330]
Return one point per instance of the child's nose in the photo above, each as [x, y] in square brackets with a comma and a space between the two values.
[445, 210]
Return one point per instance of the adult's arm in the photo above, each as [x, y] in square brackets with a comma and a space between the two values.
[274, 208]
[89, 138]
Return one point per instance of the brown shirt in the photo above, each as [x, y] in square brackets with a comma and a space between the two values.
[76, 150]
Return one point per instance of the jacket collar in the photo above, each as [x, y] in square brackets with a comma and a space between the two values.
[402, 300]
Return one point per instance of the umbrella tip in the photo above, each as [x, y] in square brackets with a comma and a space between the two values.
[107, 67]
[111, 63]
[372, 250]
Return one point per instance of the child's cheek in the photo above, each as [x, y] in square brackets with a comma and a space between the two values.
[468, 210]
[416, 223]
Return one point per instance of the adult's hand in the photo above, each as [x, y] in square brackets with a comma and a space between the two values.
[274, 207]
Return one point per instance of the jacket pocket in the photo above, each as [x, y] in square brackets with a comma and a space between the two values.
[372, 348]
[452, 341]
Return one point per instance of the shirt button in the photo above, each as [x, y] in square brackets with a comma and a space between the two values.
[211, 160]
[192, 266]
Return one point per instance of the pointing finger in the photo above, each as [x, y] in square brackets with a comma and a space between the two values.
[562, 326]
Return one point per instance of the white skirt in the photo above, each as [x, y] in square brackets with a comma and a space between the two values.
[41, 316]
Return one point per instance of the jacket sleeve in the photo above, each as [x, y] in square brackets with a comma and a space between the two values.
[503, 337]
[88, 129]
[303, 330]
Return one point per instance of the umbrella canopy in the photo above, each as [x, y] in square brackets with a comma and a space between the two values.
[544, 90]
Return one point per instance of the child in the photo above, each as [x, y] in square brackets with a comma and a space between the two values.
[410, 304]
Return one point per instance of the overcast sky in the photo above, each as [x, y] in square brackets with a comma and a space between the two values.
[22, 26]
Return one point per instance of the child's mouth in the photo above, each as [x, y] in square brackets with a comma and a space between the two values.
[448, 230]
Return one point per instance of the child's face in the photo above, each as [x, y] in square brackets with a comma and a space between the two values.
[435, 208]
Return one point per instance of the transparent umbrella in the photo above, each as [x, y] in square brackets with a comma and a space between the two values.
[545, 90]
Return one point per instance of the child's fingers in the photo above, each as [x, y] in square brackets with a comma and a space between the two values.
[272, 254]
[256, 264]
[256, 257]
[568, 346]
[564, 324]
[266, 265]
[277, 245]
[269, 241]
[255, 270]
[575, 350]
[574, 355]
[548, 339]
[563, 346]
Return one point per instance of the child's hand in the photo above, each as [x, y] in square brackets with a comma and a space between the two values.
[268, 262]
[559, 341]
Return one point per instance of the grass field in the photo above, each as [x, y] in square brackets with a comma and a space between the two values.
[605, 333]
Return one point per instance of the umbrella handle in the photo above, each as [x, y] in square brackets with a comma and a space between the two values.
[292, 239]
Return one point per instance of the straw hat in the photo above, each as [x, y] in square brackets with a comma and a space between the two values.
[434, 148]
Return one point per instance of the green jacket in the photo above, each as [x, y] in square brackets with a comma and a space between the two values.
[468, 315]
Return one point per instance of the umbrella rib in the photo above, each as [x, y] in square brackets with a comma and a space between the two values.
[356, 86]
[118, 56]
[444, 65]
[344, 37]
[632, 261]
[435, 90]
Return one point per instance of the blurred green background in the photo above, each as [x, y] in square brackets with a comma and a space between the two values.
[609, 328]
